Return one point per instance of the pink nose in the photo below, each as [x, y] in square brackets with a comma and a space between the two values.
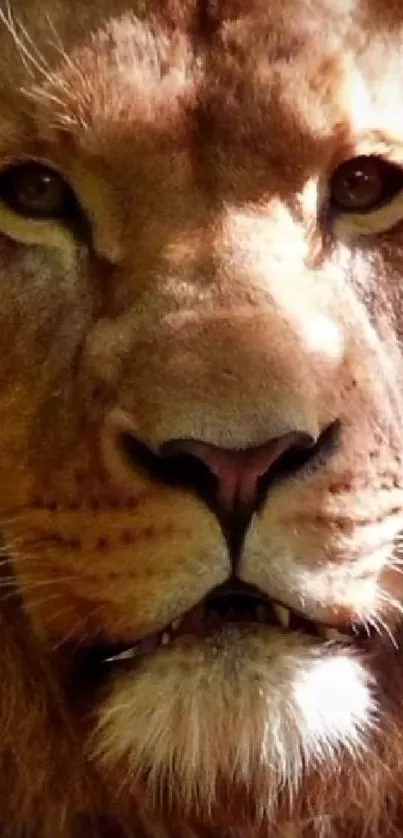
[238, 471]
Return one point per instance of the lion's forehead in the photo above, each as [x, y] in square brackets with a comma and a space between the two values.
[133, 82]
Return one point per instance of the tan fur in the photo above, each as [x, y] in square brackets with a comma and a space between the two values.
[213, 304]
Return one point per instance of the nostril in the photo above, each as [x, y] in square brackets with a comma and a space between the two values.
[173, 468]
[240, 474]
[232, 483]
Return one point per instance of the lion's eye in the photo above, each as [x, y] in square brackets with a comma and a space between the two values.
[37, 191]
[363, 184]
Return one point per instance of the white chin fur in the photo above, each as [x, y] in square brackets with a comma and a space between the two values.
[244, 707]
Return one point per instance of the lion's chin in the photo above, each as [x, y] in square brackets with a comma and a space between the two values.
[251, 708]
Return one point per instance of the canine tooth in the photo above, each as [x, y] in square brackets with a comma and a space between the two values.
[282, 614]
[176, 623]
[121, 656]
[165, 638]
[334, 634]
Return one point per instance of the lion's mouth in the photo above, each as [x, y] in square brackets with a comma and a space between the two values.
[229, 604]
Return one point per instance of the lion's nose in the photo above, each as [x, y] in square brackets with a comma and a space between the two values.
[242, 476]
[233, 483]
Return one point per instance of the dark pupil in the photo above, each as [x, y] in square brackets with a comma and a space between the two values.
[37, 190]
[356, 180]
[34, 191]
[359, 188]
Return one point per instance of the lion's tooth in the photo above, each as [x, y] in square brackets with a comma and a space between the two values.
[334, 634]
[282, 614]
[127, 654]
[176, 623]
[165, 638]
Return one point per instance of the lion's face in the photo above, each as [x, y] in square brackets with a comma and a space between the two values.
[201, 377]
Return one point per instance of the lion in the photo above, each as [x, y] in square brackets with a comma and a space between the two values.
[201, 412]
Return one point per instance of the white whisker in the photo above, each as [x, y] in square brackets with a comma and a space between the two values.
[31, 61]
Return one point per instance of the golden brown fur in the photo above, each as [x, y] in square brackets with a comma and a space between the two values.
[214, 303]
